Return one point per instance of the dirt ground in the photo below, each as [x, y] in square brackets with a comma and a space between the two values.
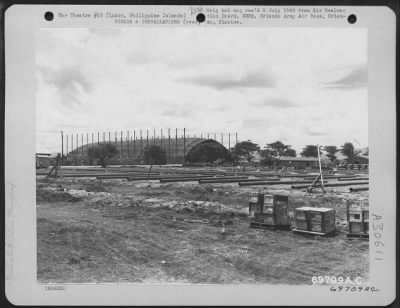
[146, 232]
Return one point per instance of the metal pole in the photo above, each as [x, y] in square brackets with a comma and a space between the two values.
[184, 144]
[134, 142]
[154, 136]
[176, 145]
[67, 145]
[127, 139]
[141, 145]
[104, 137]
[222, 138]
[120, 155]
[215, 136]
[72, 143]
[82, 143]
[169, 145]
[229, 141]
[208, 136]
[236, 138]
[147, 138]
[92, 138]
[77, 144]
[62, 148]
[116, 138]
[161, 137]
[98, 137]
[109, 137]
[320, 168]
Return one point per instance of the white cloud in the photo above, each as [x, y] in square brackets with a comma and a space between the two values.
[264, 83]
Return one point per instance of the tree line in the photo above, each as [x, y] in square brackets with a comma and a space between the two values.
[245, 150]
[272, 152]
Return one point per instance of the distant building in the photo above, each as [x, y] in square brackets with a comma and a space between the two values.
[298, 162]
[43, 160]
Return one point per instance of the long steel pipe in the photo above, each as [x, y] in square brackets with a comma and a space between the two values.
[330, 185]
[213, 180]
[354, 189]
[253, 183]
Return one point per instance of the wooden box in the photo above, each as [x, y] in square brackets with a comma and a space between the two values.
[366, 227]
[320, 220]
[356, 227]
[255, 204]
[301, 224]
[264, 218]
[277, 207]
[358, 216]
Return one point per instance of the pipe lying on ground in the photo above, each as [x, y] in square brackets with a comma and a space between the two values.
[354, 189]
[274, 183]
[329, 185]
[214, 180]
[353, 179]
[141, 178]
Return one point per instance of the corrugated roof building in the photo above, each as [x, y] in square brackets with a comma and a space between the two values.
[133, 151]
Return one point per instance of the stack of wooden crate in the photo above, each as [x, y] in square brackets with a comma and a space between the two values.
[314, 220]
[255, 205]
[358, 217]
[273, 213]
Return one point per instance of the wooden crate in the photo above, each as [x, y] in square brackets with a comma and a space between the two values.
[255, 203]
[277, 206]
[315, 220]
[356, 227]
[274, 212]
[301, 224]
[322, 220]
[264, 218]
[358, 217]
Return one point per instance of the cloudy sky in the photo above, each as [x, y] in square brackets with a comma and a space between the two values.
[298, 85]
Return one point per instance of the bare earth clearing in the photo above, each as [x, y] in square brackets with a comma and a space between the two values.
[120, 231]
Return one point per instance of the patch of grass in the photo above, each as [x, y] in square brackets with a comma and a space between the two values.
[55, 196]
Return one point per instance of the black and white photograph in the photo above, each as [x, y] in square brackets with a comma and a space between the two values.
[191, 156]
[200, 155]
